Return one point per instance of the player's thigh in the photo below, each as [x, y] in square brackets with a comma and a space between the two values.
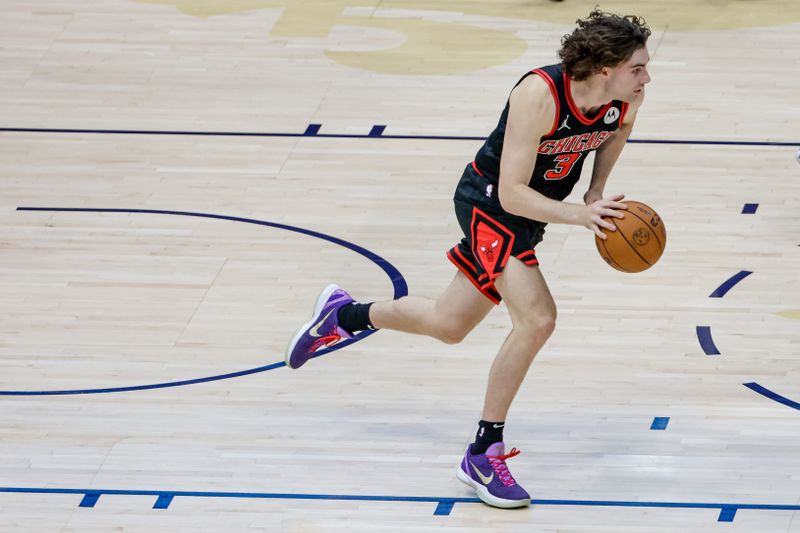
[461, 305]
[526, 294]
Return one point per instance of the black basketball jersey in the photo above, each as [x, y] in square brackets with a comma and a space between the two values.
[561, 152]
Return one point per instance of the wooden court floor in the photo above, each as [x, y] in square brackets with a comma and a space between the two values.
[179, 179]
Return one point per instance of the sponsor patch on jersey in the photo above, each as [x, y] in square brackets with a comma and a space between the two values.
[611, 115]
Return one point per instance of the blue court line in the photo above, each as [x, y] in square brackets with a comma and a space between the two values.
[313, 129]
[163, 501]
[444, 508]
[89, 500]
[377, 130]
[728, 284]
[444, 505]
[706, 342]
[772, 395]
[727, 514]
[749, 209]
[660, 423]
[398, 283]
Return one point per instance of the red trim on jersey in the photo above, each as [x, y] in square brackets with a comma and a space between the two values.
[546, 77]
[622, 113]
[574, 107]
[475, 166]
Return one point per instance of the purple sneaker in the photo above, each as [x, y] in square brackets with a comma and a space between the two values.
[322, 330]
[489, 476]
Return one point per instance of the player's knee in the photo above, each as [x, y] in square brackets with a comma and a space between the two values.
[548, 325]
[452, 332]
[539, 325]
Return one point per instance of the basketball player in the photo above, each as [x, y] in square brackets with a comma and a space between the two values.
[516, 185]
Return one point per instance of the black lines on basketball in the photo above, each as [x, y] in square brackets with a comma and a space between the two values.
[635, 245]
[607, 257]
[625, 238]
[649, 225]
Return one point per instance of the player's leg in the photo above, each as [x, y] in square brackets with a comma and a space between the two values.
[336, 316]
[448, 318]
[533, 315]
[533, 319]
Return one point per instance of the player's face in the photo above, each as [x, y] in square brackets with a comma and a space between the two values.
[626, 81]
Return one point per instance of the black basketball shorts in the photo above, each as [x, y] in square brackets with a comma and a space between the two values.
[490, 238]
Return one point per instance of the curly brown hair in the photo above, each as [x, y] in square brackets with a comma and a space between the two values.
[601, 40]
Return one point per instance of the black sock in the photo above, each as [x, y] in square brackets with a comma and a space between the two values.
[355, 317]
[488, 434]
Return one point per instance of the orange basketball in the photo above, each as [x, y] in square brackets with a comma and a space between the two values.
[638, 242]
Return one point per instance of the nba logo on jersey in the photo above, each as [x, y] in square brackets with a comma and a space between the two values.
[611, 115]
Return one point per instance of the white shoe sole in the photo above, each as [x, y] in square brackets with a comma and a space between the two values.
[321, 299]
[484, 495]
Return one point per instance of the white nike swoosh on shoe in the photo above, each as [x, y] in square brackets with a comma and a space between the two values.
[314, 332]
[497, 426]
[485, 479]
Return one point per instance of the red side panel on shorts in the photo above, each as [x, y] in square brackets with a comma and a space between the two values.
[458, 260]
[491, 243]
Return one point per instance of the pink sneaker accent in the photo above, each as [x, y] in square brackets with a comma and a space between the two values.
[500, 467]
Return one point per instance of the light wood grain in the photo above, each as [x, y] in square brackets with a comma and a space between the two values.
[96, 300]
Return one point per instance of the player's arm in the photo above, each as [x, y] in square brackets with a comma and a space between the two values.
[530, 117]
[609, 151]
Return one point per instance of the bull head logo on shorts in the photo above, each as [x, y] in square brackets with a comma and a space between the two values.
[489, 251]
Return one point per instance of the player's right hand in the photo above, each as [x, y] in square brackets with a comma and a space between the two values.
[610, 206]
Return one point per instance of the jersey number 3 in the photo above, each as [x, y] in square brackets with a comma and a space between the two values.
[564, 164]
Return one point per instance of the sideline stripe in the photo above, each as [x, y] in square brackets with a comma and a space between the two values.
[443, 504]
[706, 342]
[728, 284]
[312, 130]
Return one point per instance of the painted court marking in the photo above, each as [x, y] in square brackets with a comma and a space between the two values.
[729, 283]
[755, 387]
[660, 423]
[707, 342]
[398, 282]
[377, 132]
[444, 505]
